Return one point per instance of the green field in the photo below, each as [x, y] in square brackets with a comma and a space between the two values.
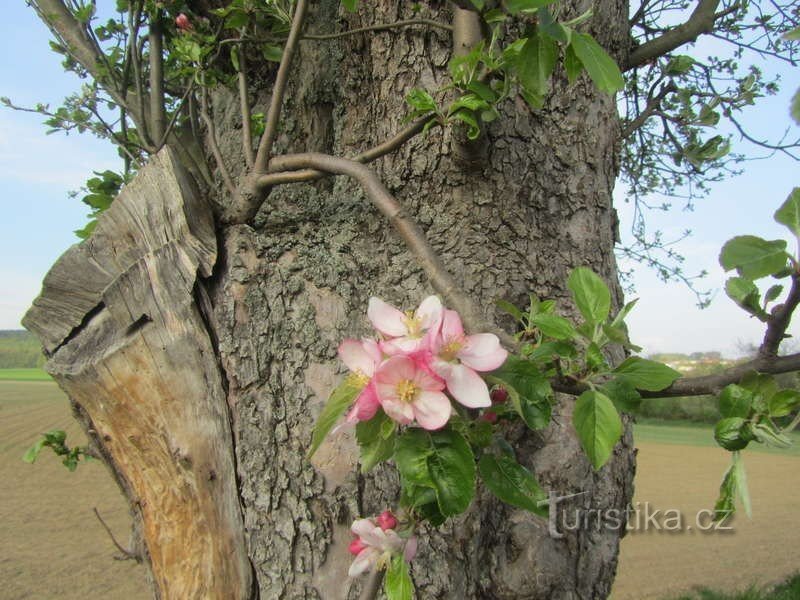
[24, 375]
[697, 434]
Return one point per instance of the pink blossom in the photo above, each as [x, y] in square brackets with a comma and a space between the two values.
[183, 23]
[408, 392]
[405, 332]
[376, 546]
[386, 520]
[362, 357]
[458, 356]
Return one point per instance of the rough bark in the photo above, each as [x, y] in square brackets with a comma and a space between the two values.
[293, 285]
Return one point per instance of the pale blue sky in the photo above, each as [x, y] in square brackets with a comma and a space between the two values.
[37, 171]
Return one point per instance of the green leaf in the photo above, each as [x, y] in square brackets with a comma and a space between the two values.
[735, 401]
[512, 483]
[552, 28]
[441, 460]
[730, 433]
[535, 64]
[515, 7]
[623, 314]
[509, 308]
[272, 53]
[528, 390]
[590, 293]
[646, 374]
[351, 5]
[398, 584]
[421, 101]
[601, 67]
[466, 117]
[784, 403]
[572, 65]
[744, 293]
[792, 35]
[753, 257]
[794, 107]
[376, 446]
[734, 485]
[622, 394]
[340, 400]
[598, 425]
[554, 326]
[766, 434]
[772, 293]
[789, 212]
[678, 65]
[32, 453]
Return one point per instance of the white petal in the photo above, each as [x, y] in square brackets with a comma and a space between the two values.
[468, 387]
[432, 410]
[483, 352]
[429, 312]
[386, 318]
[365, 560]
[356, 357]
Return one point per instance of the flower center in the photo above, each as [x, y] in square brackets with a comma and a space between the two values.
[358, 379]
[413, 324]
[451, 348]
[407, 390]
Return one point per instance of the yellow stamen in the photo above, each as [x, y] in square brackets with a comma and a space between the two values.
[407, 390]
[451, 349]
[358, 378]
[413, 324]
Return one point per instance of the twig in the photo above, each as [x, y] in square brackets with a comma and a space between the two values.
[380, 27]
[214, 143]
[244, 103]
[278, 90]
[276, 178]
[405, 226]
[174, 118]
[652, 105]
[126, 554]
[157, 114]
[779, 321]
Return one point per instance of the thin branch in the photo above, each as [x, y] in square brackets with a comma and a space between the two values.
[652, 105]
[244, 104]
[275, 177]
[278, 90]
[174, 119]
[701, 21]
[779, 321]
[155, 39]
[214, 143]
[380, 27]
[126, 554]
[406, 227]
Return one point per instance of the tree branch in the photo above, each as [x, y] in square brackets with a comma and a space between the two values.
[157, 113]
[380, 27]
[701, 21]
[276, 177]
[652, 105]
[278, 90]
[126, 554]
[244, 104]
[213, 142]
[406, 227]
[779, 321]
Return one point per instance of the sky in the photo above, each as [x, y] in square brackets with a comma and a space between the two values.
[38, 218]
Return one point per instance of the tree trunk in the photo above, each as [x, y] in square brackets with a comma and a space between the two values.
[287, 289]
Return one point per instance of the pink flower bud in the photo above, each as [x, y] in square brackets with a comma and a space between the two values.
[183, 23]
[356, 546]
[499, 395]
[386, 520]
[489, 417]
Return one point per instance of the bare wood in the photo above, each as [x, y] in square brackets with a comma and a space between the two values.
[278, 90]
[137, 362]
[701, 21]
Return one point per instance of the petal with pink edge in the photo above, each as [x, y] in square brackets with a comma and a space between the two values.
[365, 560]
[451, 325]
[411, 549]
[467, 387]
[356, 357]
[386, 318]
[370, 534]
[483, 352]
[432, 410]
[402, 412]
[365, 406]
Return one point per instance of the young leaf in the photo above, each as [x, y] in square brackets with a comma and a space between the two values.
[734, 484]
[735, 401]
[515, 7]
[528, 390]
[590, 293]
[601, 67]
[398, 584]
[744, 293]
[789, 212]
[598, 425]
[554, 326]
[376, 446]
[753, 257]
[535, 64]
[341, 398]
[572, 65]
[512, 483]
[646, 374]
[783, 403]
[509, 308]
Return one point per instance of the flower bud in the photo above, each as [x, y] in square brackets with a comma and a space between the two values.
[356, 546]
[182, 22]
[489, 417]
[386, 520]
[499, 395]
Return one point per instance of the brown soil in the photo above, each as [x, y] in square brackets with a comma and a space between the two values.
[51, 545]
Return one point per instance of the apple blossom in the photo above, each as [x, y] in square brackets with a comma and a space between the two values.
[405, 332]
[386, 520]
[183, 23]
[409, 393]
[458, 356]
[362, 357]
[375, 546]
